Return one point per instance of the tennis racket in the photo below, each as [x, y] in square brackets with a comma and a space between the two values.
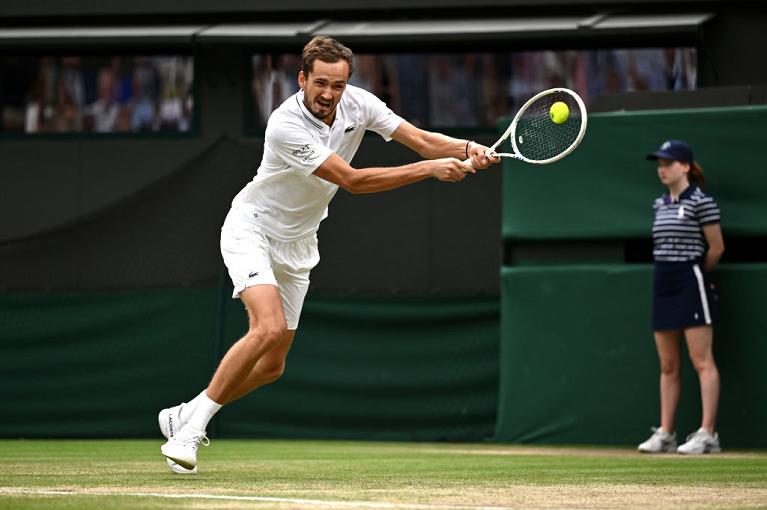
[535, 137]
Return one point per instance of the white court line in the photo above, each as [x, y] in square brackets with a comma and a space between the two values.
[261, 499]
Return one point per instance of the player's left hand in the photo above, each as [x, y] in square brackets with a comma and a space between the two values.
[480, 159]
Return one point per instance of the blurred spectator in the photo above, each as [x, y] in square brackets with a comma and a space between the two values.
[146, 89]
[66, 115]
[103, 112]
[76, 94]
[368, 73]
[45, 93]
[607, 72]
[409, 83]
[684, 70]
[469, 89]
[175, 93]
[649, 70]
[373, 73]
[492, 97]
[70, 96]
[453, 89]
[131, 94]
[275, 78]
[122, 70]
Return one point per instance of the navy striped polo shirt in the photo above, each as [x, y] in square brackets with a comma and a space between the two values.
[677, 232]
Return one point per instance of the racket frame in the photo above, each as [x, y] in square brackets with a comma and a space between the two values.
[511, 130]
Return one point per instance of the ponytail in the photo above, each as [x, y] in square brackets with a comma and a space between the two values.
[695, 175]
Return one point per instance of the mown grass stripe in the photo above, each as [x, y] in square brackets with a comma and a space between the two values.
[263, 499]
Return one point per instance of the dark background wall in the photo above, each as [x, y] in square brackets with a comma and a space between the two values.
[411, 236]
[43, 8]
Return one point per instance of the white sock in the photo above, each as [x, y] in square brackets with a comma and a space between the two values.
[187, 410]
[203, 412]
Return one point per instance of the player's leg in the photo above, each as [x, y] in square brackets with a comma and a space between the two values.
[247, 256]
[668, 343]
[292, 262]
[268, 368]
[273, 313]
[664, 438]
[266, 330]
[700, 346]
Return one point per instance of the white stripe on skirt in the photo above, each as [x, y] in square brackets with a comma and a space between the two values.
[702, 290]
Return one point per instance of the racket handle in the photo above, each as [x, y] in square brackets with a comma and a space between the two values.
[467, 162]
[489, 153]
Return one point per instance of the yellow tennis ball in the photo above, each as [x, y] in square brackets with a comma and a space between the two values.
[559, 112]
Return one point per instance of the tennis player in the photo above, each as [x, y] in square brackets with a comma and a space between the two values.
[269, 237]
[687, 245]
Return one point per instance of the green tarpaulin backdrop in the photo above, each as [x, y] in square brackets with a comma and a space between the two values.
[104, 364]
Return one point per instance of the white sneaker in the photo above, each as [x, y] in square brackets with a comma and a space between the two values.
[181, 470]
[170, 420]
[182, 447]
[660, 441]
[170, 423]
[699, 442]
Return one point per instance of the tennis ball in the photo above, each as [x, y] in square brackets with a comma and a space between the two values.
[559, 112]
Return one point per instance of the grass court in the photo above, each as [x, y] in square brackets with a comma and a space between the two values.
[261, 474]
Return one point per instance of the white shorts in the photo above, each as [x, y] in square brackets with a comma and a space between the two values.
[253, 258]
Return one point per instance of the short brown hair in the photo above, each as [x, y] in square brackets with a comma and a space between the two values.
[325, 49]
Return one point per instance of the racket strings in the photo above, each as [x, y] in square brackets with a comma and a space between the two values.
[538, 137]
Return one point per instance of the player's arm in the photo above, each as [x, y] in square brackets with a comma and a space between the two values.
[713, 234]
[432, 145]
[374, 179]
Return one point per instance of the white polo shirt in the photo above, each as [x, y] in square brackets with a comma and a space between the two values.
[285, 200]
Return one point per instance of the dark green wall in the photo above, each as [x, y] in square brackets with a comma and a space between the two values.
[579, 361]
[606, 188]
[104, 364]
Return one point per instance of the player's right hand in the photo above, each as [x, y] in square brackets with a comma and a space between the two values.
[451, 169]
[481, 157]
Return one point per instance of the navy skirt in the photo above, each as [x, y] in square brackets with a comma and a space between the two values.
[682, 297]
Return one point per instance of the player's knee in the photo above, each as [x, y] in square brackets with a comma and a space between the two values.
[274, 371]
[669, 368]
[703, 363]
[269, 333]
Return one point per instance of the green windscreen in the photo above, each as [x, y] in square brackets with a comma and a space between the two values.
[605, 189]
[103, 365]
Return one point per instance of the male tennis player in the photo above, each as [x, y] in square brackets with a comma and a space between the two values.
[269, 241]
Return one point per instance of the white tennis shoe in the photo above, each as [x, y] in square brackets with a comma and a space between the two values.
[701, 441]
[170, 420]
[660, 442]
[170, 423]
[181, 470]
[182, 447]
